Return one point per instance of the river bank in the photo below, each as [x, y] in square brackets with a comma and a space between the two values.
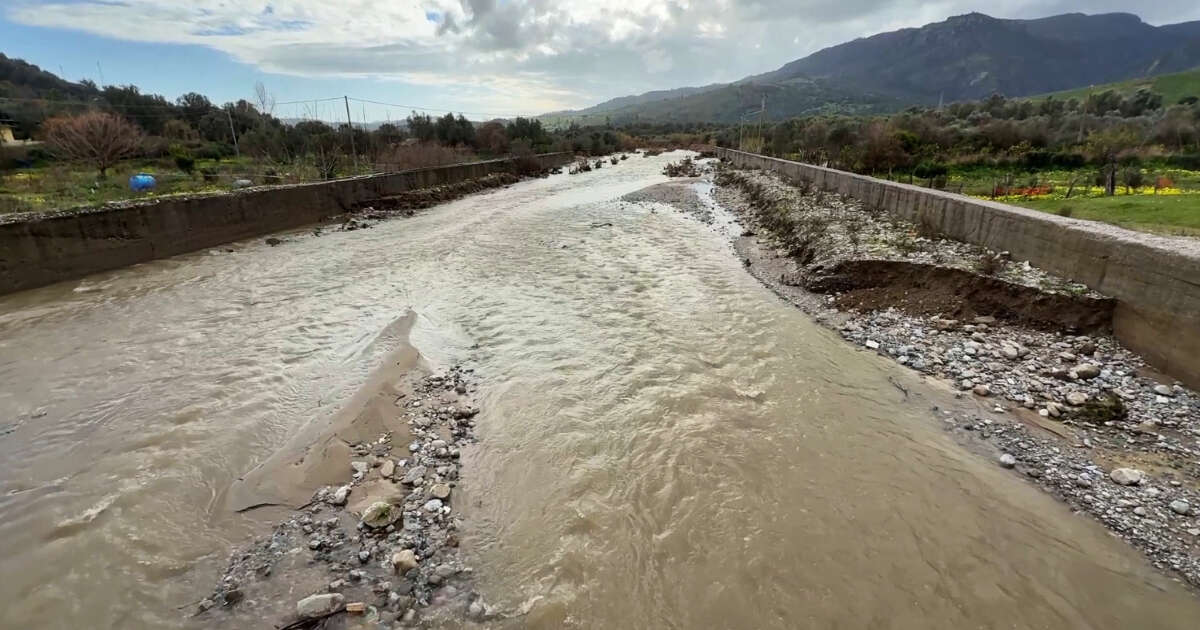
[378, 541]
[1063, 404]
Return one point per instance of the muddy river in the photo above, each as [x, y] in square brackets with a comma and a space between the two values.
[664, 443]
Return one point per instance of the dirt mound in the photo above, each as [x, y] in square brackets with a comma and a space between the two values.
[922, 289]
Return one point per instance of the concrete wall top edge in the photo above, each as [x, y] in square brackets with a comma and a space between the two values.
[1184, 250]
[17, 218]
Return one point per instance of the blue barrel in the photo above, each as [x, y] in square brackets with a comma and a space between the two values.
[142, 181]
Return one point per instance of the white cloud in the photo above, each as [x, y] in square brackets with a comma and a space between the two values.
[529, 54]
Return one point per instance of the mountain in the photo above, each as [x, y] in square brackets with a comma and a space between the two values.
[962, 58]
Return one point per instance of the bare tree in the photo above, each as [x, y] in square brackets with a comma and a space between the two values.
[264, 99]
[100, 138]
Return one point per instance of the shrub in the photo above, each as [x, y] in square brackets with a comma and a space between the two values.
[183, 158]
[1064, 211]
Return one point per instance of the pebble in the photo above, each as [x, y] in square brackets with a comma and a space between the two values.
[1180, 507]
[380, 514]
[404, 560]
[340, 495]
[1076, 399]
[872, 344]
[387, 468]
[1086, 371]
[1126, 476]
[1008, 461]
[433, 505]
[982, 390]
[1163, 390]
[414, 475]
[318, 605]
[440, 491]
[360, 467]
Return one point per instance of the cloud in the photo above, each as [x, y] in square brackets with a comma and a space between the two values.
[532, 54]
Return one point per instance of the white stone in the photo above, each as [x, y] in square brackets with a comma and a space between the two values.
[1008, 461]
[1180, 506]
[1127, 476]
[318, 605]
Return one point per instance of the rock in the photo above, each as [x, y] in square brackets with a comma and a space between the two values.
[404, 561]
[872, 344]
[360, 467]
[982, 390]
[475, 610]
[1086, 371]
[1126, 476]
[242, 183]
[1054, 409]
[233, 596]
[381, 514]
[387, 468]
[440, 491]
[985, 319]
[1180, 506]
[272, 241]
[1087, 348]
[340, 495]
[1163, 390]
[1010, 352]
[1008, 461]
[356, 608]
[319, 605]
[1139, 511]
[1076, 399]
[414, 475]
[433, 505]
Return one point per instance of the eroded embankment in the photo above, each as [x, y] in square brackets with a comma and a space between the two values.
[1072, 410]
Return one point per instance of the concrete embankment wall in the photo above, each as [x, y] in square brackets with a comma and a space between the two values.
[41, 250]
[1156, 280]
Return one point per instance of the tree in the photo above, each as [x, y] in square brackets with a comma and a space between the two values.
[194, 107]
[421, 126]
[97, 137]
[263, 99]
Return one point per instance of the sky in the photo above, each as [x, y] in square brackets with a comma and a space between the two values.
[484, 58]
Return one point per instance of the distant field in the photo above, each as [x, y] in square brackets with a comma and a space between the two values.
[1172, 87]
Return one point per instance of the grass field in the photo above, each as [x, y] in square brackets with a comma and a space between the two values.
[1172, 87]
[1177, 215]
[1172, 208]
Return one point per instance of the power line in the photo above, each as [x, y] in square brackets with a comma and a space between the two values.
[435, 109]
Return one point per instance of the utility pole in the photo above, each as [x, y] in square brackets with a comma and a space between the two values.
[762, 113]
[232, 133]
[350, 126]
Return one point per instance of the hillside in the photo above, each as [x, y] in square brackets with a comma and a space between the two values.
[962, 58]
[1173, 87]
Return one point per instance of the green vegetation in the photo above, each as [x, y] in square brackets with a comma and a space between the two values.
[1174, 88]
[1161, 214]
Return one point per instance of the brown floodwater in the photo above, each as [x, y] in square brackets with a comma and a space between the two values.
[664, 444]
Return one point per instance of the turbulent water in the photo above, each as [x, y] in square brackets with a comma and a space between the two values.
[664, 444]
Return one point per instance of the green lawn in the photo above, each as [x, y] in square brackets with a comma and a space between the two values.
[1160, 214]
